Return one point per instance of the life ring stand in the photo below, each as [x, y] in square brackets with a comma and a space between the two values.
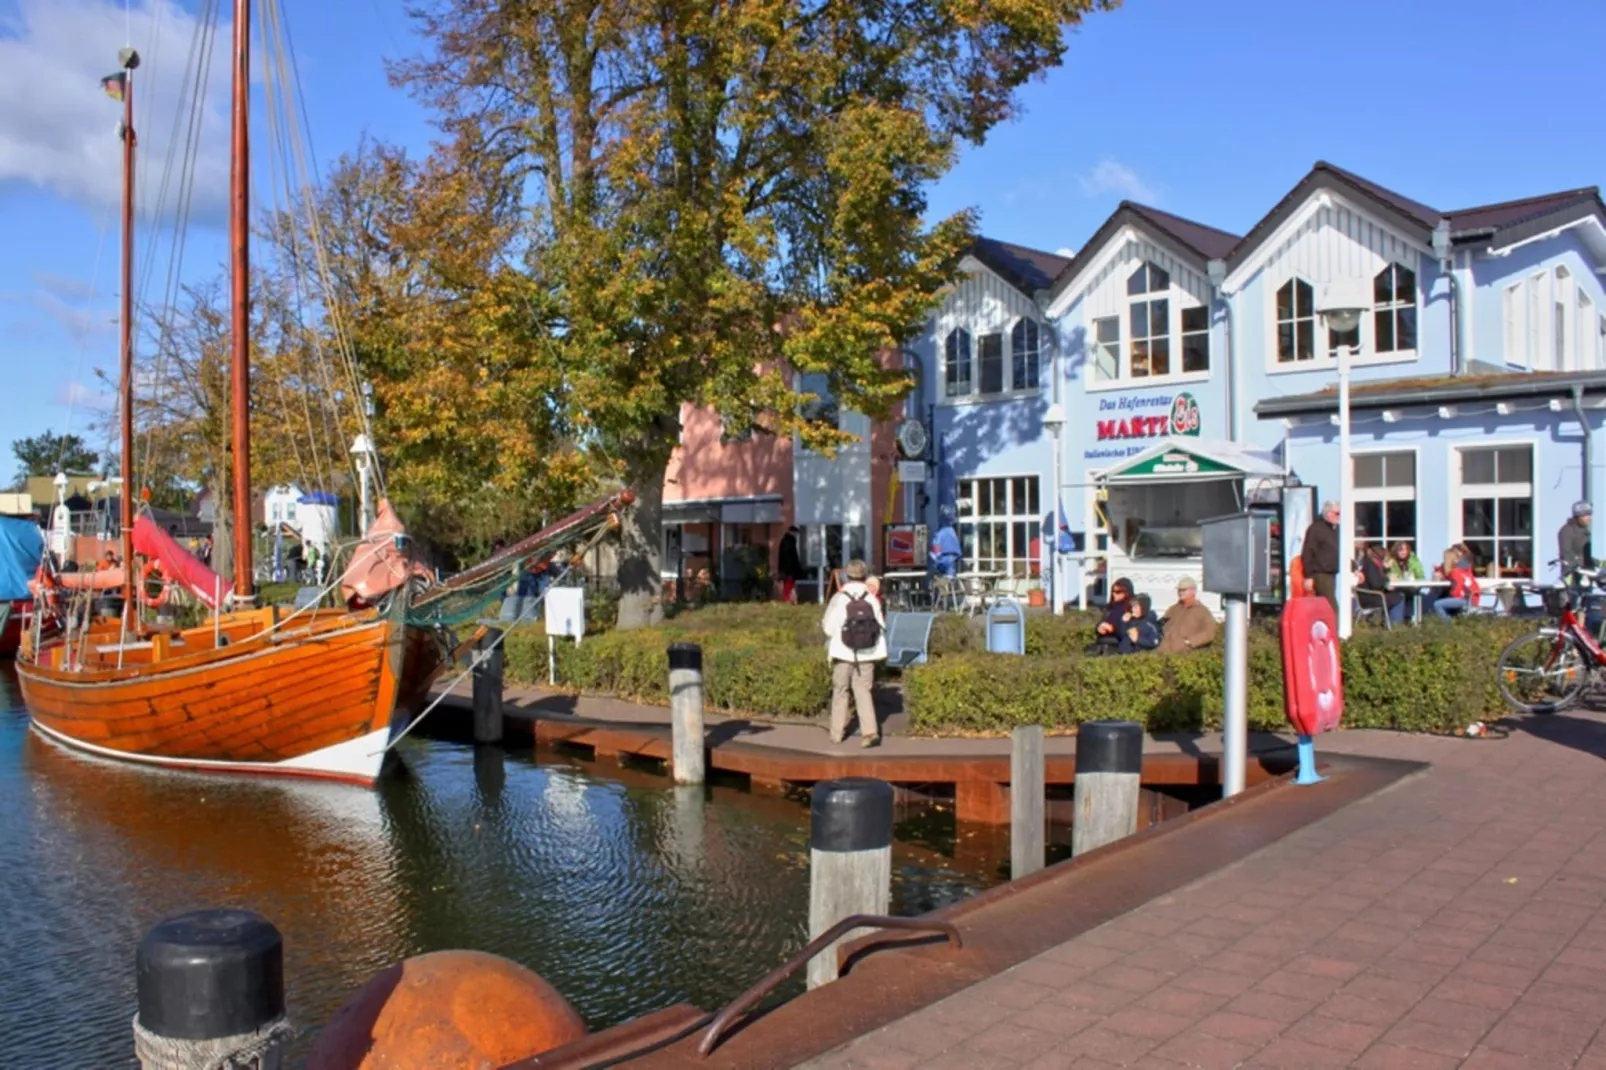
[164, 589]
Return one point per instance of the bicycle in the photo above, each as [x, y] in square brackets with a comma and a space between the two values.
[1548, 670]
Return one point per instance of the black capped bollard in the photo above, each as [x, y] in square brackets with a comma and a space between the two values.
[1109, 769]
[687, 758]
[489, 662]
[850, 860]
[211, 993]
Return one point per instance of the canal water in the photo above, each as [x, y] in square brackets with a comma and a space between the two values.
[626, 893]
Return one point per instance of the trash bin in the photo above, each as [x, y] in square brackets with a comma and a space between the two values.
[1006, 627]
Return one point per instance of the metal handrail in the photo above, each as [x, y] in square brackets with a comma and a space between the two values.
[767, 983]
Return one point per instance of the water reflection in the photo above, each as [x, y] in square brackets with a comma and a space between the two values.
[624, 891]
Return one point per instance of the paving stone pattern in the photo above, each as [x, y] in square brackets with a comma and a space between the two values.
[1457, 919]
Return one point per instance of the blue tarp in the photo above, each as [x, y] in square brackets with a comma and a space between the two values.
[318, 497]
[21, 546]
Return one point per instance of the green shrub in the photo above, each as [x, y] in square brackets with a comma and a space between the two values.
[1436, 678]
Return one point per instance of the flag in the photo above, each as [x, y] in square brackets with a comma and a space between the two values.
[115, 84]
[1066, 543]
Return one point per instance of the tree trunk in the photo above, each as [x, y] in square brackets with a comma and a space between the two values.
[641, 538]
[222, 529]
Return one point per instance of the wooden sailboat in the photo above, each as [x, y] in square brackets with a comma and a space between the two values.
[311, 693]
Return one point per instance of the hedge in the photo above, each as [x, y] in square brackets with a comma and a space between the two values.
[1436, 678]
[768, 661]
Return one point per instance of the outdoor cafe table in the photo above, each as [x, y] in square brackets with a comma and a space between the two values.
[1416, 589]
[902, 584]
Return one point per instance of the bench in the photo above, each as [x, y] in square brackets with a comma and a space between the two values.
[907, 637]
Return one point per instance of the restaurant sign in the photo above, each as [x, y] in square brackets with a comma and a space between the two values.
[1177, 463]
[1148, 417]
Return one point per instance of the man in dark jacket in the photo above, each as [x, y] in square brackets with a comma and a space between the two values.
[1573, 540]
[789, 563]
[1320, 556]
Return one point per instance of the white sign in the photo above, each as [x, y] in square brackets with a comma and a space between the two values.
[911, 472]
[566, 611]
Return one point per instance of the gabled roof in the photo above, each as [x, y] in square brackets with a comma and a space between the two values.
[1203, 243]
[1437, 389]
[1028, 270]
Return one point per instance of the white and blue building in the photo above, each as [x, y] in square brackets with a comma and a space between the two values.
[1191, 371]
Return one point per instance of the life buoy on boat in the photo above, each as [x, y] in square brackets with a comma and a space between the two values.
[164, 590]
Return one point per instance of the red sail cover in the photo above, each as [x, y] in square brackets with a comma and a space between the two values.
[178, 565]
[379, 565]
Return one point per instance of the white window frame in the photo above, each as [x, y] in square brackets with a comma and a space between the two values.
[1272, 354]
[1560, 319]
[1460, 491]
[973, 394]
[968, 516]
[946, 361]
[1538, 353]
[1394, 308]
[1360, 494]
[1177, 298]
[1514, 313]
[1095, 346]
[1323, 359]
[1585, 336]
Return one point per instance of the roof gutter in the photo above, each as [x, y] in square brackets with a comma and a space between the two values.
[1217, 271]
[1558, 386]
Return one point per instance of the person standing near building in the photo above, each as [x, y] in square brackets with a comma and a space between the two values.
[1573, 540]
[789, 563]
[1320, 558]
[855, 632]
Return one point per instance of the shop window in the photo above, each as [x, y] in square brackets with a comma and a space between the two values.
[1025, 349]
[1149, 321]
[1496, 508]
[1107, 348]
[1296, 322]
[1394, 315]
[1196, 339]
[1000, 524]
[990, 353]
[956, 363]
[1385, 498]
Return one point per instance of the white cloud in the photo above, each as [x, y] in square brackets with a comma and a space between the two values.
[58, 129]
[1112, 176]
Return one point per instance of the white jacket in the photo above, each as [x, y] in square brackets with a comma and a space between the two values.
[837, 611]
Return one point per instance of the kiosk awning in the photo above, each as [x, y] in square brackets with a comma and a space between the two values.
[756, 509]
[1195, 459]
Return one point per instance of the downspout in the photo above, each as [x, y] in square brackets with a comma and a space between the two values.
[1583, 423]
[1217, 271]
[1441, 249]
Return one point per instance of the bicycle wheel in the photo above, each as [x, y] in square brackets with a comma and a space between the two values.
[1542, 672]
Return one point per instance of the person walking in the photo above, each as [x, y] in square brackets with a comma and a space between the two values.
[1319, 557]
[789, 563]
[1573, 541]
[856, 632]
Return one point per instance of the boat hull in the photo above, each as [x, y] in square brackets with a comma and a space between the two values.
[13, 614]
[318, 702]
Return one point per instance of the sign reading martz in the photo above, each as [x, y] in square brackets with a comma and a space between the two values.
[1181, 417]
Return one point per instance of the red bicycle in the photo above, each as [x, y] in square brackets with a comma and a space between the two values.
[1551, 668]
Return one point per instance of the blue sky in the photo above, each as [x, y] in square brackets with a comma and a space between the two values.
[1209, 110]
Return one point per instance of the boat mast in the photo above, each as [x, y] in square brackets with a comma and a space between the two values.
[130, 60]
[240, 238]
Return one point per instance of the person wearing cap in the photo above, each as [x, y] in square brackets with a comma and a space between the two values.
[1319, 557]
[1573, 540]
[1187, 625]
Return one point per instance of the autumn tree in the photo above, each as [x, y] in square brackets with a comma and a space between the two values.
[418, 275]
[717, 194]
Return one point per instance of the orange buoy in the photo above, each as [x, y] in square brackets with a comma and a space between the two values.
[464, 1009]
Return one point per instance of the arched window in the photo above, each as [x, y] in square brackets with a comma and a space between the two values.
[1394, 315]
[1149, 318]
[1025, 341]
[1296, 322]
[956, 364]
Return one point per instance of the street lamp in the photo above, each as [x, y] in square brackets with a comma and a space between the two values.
[1054, 421]
[1341, 305]
[362, 453]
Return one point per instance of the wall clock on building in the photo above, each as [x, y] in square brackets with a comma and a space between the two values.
[912, 439]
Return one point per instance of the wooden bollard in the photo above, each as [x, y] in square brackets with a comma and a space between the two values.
[687, 759]
[1027, 842]
[211, 992]
[1109, 769]
[850, 860]
[488, 666]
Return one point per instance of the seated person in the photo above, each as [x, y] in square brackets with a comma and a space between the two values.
[1372, 585]
[1404, 564]
[1463, 587]
[1187, 625]
[1140, 630]
[1116, 612]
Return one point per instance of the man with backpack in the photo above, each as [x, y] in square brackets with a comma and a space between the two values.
[856, 632]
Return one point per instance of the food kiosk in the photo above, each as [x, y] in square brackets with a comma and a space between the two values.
[1153, 503]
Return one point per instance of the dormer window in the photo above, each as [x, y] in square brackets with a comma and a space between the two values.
[1296, 322]
[1025, 340]
[1149, 318]
[1394, 316]
[956, 363]
[1005, 361]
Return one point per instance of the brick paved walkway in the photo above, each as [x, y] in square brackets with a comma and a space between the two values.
[1456, 919]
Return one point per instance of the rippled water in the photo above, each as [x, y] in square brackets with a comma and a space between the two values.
[624, 892]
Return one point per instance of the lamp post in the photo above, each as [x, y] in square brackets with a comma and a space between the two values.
[1054, 420]
[362, 452]
[1340, 306]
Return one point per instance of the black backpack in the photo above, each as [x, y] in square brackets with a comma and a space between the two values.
[860, 630]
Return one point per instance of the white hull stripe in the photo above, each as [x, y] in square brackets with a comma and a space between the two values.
[355, 760]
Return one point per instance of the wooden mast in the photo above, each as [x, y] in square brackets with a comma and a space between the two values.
[130, 60]
[240, 238]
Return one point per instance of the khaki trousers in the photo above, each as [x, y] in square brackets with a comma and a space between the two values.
[857, 675]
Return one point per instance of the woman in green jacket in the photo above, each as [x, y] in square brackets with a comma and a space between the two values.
[1405, 565]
